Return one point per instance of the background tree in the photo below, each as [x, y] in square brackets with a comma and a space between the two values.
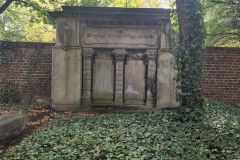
[222, 21]
[24, 20]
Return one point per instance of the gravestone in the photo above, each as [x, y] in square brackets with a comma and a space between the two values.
[112, 57]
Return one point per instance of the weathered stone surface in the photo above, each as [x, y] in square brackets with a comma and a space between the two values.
[66, 77]
[166, 85]
[12, 124]
[67, 32]
[134, 80]
[103, 76]
[123, 37]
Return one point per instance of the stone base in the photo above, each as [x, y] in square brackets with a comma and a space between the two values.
[132, 102]
[66, 107]
[102, 101]
[118, 102]
[151, 103]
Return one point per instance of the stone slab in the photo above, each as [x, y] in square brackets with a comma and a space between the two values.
[134, 80]
[103, 78]
[12, 124]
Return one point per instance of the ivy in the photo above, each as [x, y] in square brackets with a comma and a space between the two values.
[147, 136]
[8, 89]
[31, 84]
[10, 92]
[5, 47]
[189, 53]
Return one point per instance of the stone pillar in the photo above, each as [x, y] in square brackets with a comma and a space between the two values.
[87, 76]
[66, 75]
[119, 53]
[66, 66]
[166, 85]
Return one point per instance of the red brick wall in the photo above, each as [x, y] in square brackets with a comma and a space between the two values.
[30, 69]
[222, 81]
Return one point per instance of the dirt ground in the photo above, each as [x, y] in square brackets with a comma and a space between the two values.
[37, 117]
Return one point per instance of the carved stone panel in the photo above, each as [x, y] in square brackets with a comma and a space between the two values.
[121, 36]
[103, 78]
[67, 32]
[134, 82]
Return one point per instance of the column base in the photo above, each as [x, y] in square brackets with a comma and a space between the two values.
[66, 107]
[118, 102]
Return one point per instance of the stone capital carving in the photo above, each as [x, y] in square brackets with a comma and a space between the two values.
[87, 52]
[67, 35]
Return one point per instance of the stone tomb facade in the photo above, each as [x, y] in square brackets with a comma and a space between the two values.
[112, 57]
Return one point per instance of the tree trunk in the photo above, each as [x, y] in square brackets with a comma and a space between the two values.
[180, 14]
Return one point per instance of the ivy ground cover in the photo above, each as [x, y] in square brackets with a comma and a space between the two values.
[157, 134]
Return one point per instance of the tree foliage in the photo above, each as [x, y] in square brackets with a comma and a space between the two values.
[26, 23]
[24, 20]
[222, 21]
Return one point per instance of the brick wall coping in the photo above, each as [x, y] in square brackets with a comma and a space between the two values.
[31, 44]
[223, 49]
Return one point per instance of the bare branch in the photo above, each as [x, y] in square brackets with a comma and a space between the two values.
[5, 5]
[218, 34]
[8, 2]
[224, 2]
[36, 8]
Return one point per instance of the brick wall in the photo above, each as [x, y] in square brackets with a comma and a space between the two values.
[222, 80]
[30, 69]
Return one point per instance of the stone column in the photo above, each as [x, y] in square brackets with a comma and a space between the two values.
[119, 54]
[87, 75]
[151, 79]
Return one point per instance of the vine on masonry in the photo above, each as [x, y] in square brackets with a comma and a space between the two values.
[10, 92]
[189, 53]
[4, 48]
[31, 84]
[8, 89]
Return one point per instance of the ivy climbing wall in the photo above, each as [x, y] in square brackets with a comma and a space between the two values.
[28, 67]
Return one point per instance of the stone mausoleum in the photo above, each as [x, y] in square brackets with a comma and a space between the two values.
[112, 57]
